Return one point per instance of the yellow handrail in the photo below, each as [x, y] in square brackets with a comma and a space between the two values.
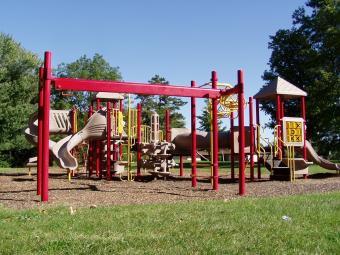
[290, 153]
[260, 148]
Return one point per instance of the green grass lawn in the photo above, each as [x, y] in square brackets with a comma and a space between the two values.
[242, 226]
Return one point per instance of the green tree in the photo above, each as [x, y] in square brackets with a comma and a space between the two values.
[18, 98]
[160, 104]
[308, 56]
[95, 68]
[204, 119]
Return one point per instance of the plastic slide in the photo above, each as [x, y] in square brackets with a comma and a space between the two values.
[94, 129]
[31, 133]
[316, 159]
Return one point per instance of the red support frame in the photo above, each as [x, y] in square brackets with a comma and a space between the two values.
[115, 131]
[40, 129]
[46, 126]
[251, 148]
[193, 140]
[139, 138]
[303, 113]
[258, 126]
[108, 141]
[135, 88]
[232, 149]
[167, 126]
[214, 81]
[242, 167]
[278, 122]
[138, 88]
[98, 148]
[90, 152]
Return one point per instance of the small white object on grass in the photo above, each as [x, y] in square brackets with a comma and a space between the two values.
[72, 211]
[286, 218]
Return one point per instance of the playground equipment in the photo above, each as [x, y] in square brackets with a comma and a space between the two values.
[61, 122]
[66, 84]
[281, 156]
[116, 142]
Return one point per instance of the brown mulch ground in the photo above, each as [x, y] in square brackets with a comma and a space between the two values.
[18, 190]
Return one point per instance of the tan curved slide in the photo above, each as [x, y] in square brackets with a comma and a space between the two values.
[31, 133]
[181, 137]
[316, 159]
[94, 129]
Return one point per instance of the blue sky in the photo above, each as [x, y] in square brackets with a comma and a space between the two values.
[180, 40]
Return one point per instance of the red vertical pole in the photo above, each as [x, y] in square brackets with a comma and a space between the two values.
[303, 111]
[258, 126]
[139, 137]
[278, 121]
[232, 150]
[108, 141]
[181, 170]
[282, 114]
[46, 126]
[251, 148]
[193, 139]
[215, 132]
[40, 129]
[120, 145]
[167, 126]
[242, 177]
[98, 149]
[115, 131]
[90, 152]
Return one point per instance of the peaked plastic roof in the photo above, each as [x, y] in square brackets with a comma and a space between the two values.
[279, 86]
[108, 96]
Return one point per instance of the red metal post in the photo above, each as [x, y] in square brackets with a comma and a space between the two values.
[46, 126]
[242, 168]
[120, 145]
[258, 126]
[40, 129]
[98, 147]
[232, 150]
[167, 126]
[251, 148]
[278, 122]
[115, 131]
[193, 139]
[90, 152]
[215, 132]
[181, 169]
[108, 141]
[303, 113]
[139, 137]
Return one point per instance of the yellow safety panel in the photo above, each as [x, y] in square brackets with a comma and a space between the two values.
[120, 122]
[294, 131]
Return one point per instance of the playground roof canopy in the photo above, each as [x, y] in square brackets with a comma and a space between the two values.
[279, 86]
[109, 96]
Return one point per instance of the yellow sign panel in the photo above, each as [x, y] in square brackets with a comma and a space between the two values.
[293, 133]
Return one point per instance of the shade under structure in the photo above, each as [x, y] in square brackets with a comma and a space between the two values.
[279, 86]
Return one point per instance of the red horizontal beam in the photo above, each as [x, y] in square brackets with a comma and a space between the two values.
[135, 88]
